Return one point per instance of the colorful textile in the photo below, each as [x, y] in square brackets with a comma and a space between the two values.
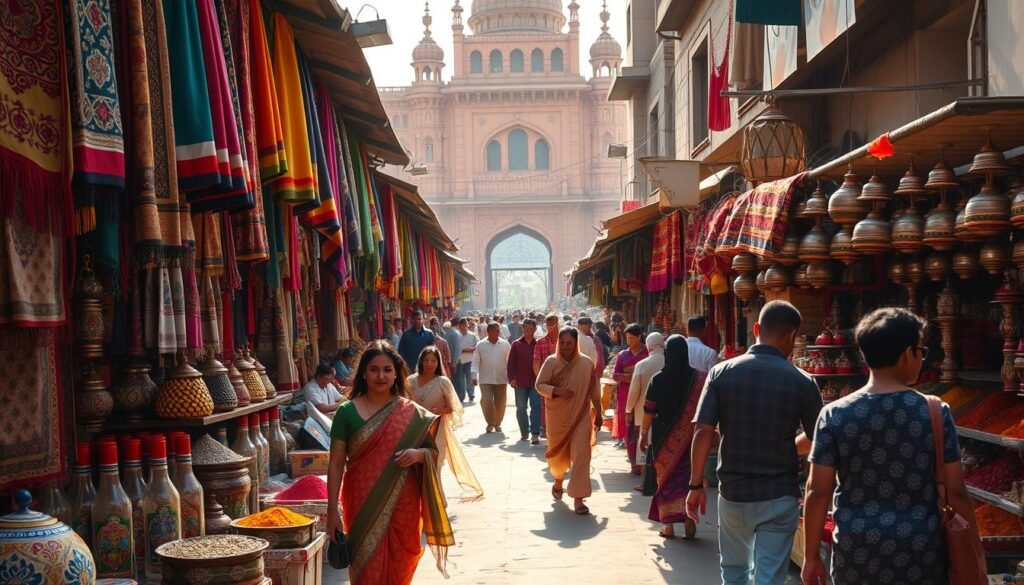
[667, 253]
[719, 113]
[232, 189]
[195, 145]
[32, 270]
[729, 238]
[33, 115]
[364, 198]
[270, 131]
[193, 317]
[97, 134]
[33, 431]
[625, 362]
[387, 509]
[439, 394]
[250, 228]
[298, 183]
[766, 213]
[353, 228]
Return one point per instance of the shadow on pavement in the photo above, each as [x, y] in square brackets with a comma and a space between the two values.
[567, 528]
[486, 439]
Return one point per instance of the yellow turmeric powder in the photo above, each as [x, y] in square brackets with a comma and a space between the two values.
[273, 517]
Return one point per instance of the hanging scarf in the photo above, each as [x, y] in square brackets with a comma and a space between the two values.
[195, 144]
[364, 198]
[250, 228]
[97, 135]
[270, 131]
[298, 183]
[332, 150]
[719, 114]
[34, 167]
[353, 229]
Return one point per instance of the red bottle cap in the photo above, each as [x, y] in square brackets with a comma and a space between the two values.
[275, 413]
[108, 453]
[132, 450]
[183, 445]
[265, 416]
[254, 419]
[242, 421]
[157, 447]
[83, 454]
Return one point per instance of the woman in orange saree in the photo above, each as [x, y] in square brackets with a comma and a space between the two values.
[384, 461]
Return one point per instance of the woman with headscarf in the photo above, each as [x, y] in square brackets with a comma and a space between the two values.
[643, 372]
[668, 411]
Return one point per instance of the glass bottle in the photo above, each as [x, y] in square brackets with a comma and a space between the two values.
[262, 448]
[265, 436]
[135, 487]
[172, 458]
[161, 506]
[244, 447]
[113, 539]
[52, 502]
[278, 444]
[81, 493]
[193, 518]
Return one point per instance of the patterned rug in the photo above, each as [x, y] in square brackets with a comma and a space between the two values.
[32, 441]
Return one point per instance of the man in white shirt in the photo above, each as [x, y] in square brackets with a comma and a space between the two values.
[702, 357]
[504, 333]
[490, 370]
[321, 394]
[463, 371]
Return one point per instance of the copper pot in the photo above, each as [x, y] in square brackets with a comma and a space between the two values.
[988, 212]
[937, 266]
[842, 246]
[965, 264]
[872, 235]
[777, 278]
[789, 255]
[744, 262]
[819, 274]
[938, 228]
[993, 257]
[814, 245]
[817, 203]
[745, 286]
[908, 231]
[843, 206]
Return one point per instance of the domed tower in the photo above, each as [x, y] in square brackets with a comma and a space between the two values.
[428, 56]
[502, 16]
[605, 53]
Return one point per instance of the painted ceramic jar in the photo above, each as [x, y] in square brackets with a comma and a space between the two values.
[36, 548]
[135, 392]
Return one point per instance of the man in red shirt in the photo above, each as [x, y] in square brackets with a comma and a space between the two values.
[524, 380]
[546, 346]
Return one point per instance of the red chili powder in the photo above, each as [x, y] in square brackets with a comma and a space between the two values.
[984, 412]
[306, 489]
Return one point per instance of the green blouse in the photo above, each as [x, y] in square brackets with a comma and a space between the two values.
[346, 421]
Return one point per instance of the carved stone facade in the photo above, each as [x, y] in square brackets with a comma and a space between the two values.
[516, 141]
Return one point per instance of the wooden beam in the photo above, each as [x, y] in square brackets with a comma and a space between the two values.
[337, 70]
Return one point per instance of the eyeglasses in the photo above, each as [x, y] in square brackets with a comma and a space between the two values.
[923, 351]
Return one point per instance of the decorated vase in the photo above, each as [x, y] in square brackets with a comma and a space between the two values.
[36, 548]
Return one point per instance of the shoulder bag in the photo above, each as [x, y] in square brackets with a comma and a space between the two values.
[965, 557]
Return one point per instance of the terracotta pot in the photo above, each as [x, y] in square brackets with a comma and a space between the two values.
[843, 206]
[874, 190]
[789, 255]
[872, 235]
[814, 245]
[819, 274]
[938, 228]
[229, 484]
[988, 212]
[817, 203]
[911, 184]
[744, 262]
[842, 246]
[989, 162]
[941, 177]
[777, 278]
[238, 383]
[908, 231]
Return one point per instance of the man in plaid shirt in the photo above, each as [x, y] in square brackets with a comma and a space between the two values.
[546, 346]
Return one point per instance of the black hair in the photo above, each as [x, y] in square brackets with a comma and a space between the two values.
[463, 321]
[635, 329]
[323, 370]
[551, 317]
[349, 352]
[884, 334]
[377, 348]
[601, 326]
[696, 324]
[432, 350]
[493, 325]
[584, 321]
[778, 319]
[416, 313]
[530, 321]
[570, 331]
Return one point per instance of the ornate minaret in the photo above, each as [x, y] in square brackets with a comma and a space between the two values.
[605, 53]
[457, 37]
[428, 56]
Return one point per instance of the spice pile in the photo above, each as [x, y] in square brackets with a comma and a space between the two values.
[274, 517]
[995, 414]
[994, 521]
[958, 396]
[212, 547]
[309, 488]
[208, 451]
[997, 477]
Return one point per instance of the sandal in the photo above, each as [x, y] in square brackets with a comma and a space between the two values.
[582, 510]
[667, 532]
[556, 492]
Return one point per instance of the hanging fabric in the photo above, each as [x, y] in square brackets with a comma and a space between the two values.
[298, 183]
[353, 229]
[273, 160]
[97, 133]
[719, 113]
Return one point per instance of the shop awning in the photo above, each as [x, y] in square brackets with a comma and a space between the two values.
[460, 267]
[628, 80]
[419, 212]
[961, 127]
[615, 229]
[321, 28]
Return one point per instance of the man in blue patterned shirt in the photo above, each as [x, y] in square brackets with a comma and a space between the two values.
[758, 401]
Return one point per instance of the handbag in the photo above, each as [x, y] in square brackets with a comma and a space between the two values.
[337, 551]
[965, 557]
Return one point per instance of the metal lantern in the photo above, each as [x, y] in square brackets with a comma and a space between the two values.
[773, 146]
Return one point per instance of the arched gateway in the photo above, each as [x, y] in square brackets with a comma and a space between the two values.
[518, 269]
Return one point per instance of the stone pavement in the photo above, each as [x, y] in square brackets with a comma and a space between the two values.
[518, 534]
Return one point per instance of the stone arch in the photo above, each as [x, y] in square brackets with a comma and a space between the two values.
[523, 251]
[534, 133]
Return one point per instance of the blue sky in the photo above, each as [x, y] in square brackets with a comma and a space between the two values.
[390, 64]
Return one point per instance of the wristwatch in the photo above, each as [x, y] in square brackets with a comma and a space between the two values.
[699, 486]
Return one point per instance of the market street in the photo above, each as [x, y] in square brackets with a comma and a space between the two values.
[518, 535]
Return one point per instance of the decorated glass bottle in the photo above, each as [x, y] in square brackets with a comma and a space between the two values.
[278, 444]
[161, 506]
[113, 538]
[135, 487]
[193, 519]
[244, 447]
[262, 448]
[81, 493]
